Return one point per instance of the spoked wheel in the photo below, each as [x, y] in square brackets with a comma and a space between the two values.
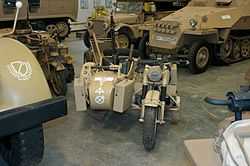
[24, 148]
[58, 82]
[199, 57]
[51, 29]
[63, 29]
[123, 40]
[236, 50]
[245, 50]
[150, 128]
[227, 49]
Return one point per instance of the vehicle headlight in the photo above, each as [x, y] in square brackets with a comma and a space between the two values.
[106, 26]
[193, 23]
[90, 24]
[154, 76]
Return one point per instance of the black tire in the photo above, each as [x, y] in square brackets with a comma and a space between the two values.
[58, 82]
[25, 148]
[70, 72]
[150, 128]
[86, 39]
[143, 46]
[126, 33]
[196, 67]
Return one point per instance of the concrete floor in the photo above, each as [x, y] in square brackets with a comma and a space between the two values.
[82, 139]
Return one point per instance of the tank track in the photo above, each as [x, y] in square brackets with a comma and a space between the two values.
[240, 49]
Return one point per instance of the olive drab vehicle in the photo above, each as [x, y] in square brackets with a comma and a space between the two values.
[202, 32]
[43, 14]
[129, 16]
[25, 103]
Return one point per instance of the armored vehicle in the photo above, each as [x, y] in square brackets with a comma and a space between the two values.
[44, 14]
[129, 17]
[53, 57]
[25, 104]
[202, 32]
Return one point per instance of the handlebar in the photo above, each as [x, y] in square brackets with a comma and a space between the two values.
[219, 102]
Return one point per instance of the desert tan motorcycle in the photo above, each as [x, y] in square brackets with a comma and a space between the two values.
[159, 96]
[25, 103]
[112, 87]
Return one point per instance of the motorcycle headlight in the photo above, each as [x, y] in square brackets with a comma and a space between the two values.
[193, 23]
[106, 26]
[154, 76]
[90, 24]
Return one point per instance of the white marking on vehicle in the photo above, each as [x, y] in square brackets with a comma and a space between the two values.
[21, 70]
[99, 99]
[226, 17]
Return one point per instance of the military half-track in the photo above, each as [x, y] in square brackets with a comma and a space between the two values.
[25, 104]
[43, 14]
[202, 32]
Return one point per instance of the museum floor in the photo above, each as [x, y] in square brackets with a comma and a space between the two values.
[86, 139]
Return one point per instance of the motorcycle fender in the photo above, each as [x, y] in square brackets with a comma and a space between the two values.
[152, 99]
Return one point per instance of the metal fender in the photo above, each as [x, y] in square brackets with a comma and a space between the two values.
[152, 99]
[133, 30]
[22, 81]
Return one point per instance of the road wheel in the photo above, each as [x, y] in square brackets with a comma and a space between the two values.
[58, 82]
[70, 72]
[143, 46]
[86, 39]
[24, 148]
[63, 29]
[124, 38]
[150, 128]
[200, 55]
[227, 49]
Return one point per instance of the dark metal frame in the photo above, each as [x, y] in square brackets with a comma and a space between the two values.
[19, 119]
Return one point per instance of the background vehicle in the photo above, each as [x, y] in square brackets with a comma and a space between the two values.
[43, 14]
[202, 32]
[129, 17]
[53, 57]
[22, 112]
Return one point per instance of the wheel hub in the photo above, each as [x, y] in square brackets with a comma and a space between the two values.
[245, 48]
[202, 57]
[228, 48]
[236, 50]
[123, 41]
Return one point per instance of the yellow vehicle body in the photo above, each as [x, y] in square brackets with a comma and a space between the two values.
[204, 31]
[19, 74]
